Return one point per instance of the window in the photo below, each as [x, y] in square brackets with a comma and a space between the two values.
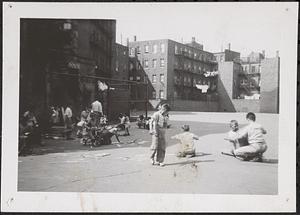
[161, 94]
[146, 49]
[154, 63]
[253, 69]
[124, 53]
[138, 78]
[162, 48]
[131, 78]
[131, 66]
[146, 64]
[162, 62]
[162, 78]
[124, 68]
[117, 66]
[153, 78]
[154, 48]
[67, 26]
[176, 50]
[138, 50]
[132, 51]
[246, 69]
[176, 64]
[195, 55]
[153, 94]
[175, 94]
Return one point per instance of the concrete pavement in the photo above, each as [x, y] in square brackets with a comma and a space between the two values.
[67, 166]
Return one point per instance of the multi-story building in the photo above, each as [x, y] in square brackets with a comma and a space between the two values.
[57, 55]
[119, 92]
[227, 55]
[249, 78]
[175, 69]
[249, 84]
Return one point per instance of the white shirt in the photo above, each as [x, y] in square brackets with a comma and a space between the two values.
[255, 133]
[97, 106]
[186, 140]
[68, 112]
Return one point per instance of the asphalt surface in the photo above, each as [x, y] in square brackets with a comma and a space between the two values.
[67, 166]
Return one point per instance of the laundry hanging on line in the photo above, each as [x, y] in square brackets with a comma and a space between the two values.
[203, 88]
[102, 86]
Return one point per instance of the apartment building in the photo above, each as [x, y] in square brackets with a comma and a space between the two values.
[54, 52]
[250, 76]
[175, 69]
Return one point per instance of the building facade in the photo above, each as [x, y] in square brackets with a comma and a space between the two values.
[250, 77]
[175, 69]
[57, 55]
[119, 93]
[249, 84]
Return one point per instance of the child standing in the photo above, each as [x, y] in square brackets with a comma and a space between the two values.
[186, 147]
[158, 131]
[254, 133]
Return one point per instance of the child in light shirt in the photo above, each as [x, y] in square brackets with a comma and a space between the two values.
[255, 136]
[186, 146]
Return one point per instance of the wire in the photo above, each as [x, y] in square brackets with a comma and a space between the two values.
[98, 77]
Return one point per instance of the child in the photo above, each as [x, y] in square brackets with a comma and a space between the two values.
[233, 136]
[254, 133]
[141, 121]
[186, 147]
[158, 131]
[108, 133]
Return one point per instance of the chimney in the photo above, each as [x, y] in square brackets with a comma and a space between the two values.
[229, 46]
[193, 40]
[277, 53]
[134, 38]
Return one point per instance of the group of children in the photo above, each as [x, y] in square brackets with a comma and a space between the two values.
[248, 143]
[91, 125]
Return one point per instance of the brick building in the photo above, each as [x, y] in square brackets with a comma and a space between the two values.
[54, 52]
[249, 84]
[250, 77]
[174, 69]
[119, 93]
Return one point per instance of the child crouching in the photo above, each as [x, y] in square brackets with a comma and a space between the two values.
[186, 146]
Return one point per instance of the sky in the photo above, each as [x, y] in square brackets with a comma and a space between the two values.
[246, 26]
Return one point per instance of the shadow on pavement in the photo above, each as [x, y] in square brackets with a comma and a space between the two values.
[201, 154]
[188, 162]
[270, 161]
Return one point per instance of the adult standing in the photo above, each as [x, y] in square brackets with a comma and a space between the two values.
[158, 130]
[68, 122]
[97, 109]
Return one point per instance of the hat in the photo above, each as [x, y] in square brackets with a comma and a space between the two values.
[186, 127]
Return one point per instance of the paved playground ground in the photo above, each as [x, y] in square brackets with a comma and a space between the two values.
[66, 166]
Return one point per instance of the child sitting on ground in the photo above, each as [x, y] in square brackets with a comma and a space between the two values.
[233, 136]
[186, 147]
[254, 133]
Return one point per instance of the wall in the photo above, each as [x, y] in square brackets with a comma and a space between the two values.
[244, 105]
[225, 87]
[270, 85]
[118, 103]
[189, 105]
